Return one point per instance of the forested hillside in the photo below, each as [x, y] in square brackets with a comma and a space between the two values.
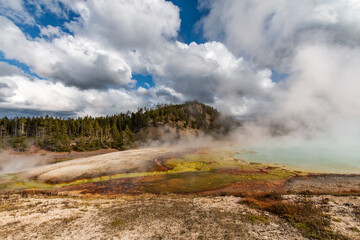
[120, 131]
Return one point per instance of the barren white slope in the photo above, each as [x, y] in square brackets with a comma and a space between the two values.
[138, 160]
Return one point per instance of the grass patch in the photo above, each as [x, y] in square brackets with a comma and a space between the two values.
[273, 196]
[305, 216]
[256, 219]
[117, 223]
[310, 220]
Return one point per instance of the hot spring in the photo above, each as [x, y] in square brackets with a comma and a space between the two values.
[321, 158]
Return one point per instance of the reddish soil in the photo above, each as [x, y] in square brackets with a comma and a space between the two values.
[158, 167]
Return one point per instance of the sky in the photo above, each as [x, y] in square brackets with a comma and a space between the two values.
[294, 62]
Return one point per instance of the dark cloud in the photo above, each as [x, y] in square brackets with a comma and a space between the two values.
[97, 77]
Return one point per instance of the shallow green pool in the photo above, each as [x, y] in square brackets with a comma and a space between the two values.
[329, 159]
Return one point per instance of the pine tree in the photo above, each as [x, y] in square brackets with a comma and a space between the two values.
[116, 137]
[128, 138]
[97, 129]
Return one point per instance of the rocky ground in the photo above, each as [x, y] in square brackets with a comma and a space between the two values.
[35, 216]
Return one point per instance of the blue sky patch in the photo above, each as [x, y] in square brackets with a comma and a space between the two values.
[190, 15]
[46, 18]
[145, 81]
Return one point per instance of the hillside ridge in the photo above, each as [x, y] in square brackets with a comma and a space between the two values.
[165, 123]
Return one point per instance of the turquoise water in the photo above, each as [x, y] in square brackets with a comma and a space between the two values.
[308, 158]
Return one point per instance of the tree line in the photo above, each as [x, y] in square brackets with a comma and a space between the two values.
[92, 133]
